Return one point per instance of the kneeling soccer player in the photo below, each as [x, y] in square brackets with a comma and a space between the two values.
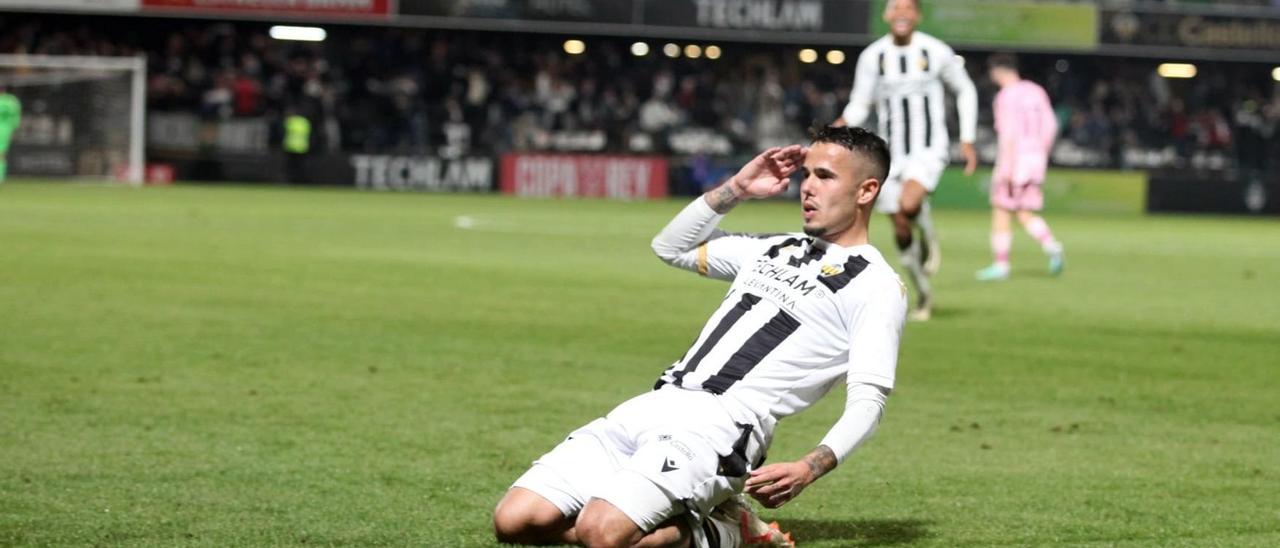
[805, 311]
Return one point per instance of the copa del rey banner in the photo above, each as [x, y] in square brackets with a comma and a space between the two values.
[588, 176]
[326, 8]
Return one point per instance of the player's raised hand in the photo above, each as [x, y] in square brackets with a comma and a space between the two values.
[970, 158]
[769, 173]
[776, 484]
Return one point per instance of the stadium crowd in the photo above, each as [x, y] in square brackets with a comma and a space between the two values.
[451, 93]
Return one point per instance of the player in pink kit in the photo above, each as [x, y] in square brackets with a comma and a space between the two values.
[1026, 128]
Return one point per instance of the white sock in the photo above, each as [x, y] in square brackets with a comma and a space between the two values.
[915, 270]
[924, 220]
[716, 527]
[1039, 230]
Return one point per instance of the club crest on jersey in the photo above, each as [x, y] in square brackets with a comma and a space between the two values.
[829, 270]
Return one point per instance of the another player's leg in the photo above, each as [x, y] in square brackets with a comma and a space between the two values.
[525, 517]
[911, 249]
[925, 173]
[1001, 242]
[1039, 230]
[932, 249]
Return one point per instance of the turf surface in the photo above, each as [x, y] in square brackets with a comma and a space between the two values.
[228, 366]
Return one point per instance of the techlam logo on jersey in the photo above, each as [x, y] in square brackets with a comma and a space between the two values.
[617, 177]
[782, 283]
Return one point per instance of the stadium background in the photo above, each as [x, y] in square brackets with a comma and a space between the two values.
[259, 364]
[434, 94]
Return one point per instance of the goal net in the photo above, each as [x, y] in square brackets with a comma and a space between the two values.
[81, 116]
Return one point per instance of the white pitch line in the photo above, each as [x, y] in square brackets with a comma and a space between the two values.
[532, 226]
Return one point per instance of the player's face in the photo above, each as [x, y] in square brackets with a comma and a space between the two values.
[1000, 75]
[829, 193]
[902, 16]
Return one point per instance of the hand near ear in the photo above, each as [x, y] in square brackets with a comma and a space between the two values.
[769, 173]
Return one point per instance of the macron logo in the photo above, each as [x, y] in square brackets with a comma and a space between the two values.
[669, 465]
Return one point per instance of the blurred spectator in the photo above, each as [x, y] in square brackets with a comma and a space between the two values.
[373, 89]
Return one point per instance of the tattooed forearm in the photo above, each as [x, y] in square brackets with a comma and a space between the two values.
[723, 198]
[821, 460]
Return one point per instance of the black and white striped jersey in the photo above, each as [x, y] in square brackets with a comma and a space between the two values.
[800, 315]
[905, 85]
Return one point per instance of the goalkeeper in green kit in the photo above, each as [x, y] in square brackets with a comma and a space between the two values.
[10, 115]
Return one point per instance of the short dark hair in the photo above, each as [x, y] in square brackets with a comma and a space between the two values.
[1003, 60]
[859, 140]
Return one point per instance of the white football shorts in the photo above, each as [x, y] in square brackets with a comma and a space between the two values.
[656, 456]
[923, 168]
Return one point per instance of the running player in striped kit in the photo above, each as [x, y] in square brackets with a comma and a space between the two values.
[806, 312]
[1026, 127]
[902, 75]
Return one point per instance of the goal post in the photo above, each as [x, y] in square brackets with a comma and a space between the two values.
[82, 116]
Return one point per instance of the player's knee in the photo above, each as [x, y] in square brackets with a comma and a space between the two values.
[595, 530]
[515, 525]
[509, 526]
[604, 538]
[909, 208]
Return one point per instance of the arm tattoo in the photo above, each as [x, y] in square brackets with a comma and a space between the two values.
[723, 198]
[821, 460]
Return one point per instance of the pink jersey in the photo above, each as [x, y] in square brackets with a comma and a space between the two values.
[1026, 127]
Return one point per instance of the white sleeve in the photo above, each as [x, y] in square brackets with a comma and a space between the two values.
[957, 78]
[864, 84]
[875, 330]
[692, 242]
[863, 407]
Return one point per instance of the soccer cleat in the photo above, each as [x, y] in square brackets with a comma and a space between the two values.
[755, 532]
[923, 310]
[772, 537]
[1056, 263]
[993, 273]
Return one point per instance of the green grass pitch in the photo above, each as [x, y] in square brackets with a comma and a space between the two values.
[233, 366]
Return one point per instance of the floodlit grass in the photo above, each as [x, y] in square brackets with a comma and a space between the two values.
[230, 366]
